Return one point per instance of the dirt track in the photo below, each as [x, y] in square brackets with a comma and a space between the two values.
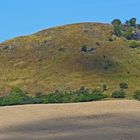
[103, 120]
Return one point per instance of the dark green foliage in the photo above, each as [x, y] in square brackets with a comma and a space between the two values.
[123, 85]
[81, 95]
[55, 97]
[127, 23]
[129, 29]
[84, 48]
[118, 94]
[7, 47]
[137, 95]
[19, 97]
[117, 30]
[117, 27]
[16, 97]
[133, 22]
[116, 22]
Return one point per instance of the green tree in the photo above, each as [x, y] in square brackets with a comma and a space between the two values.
[133, 22]
[117, 27]
[116, 22]
[127, 23]
[117, 30]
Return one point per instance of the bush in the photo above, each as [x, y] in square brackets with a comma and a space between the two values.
[54, 98]
[134, 44]
[81, 95]
[84, 48]
[20, 97]
[118, 94]
[123, 85]
[16, 97]
[128, 34]
[137, 95]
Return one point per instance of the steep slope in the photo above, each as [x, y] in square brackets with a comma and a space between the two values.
[55, 59]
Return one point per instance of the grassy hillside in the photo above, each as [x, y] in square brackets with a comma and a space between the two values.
[53, 59]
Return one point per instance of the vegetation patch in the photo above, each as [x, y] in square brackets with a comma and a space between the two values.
[137, 95]
[118, 94]
[134, 44]
[129, 29]
[19, 97]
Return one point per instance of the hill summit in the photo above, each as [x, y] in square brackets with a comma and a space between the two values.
[70, 56]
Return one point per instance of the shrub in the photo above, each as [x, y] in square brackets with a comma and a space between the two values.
[19, 97]
[118, 94]
[134, 44]
[129, 34]
[84, 48]
[55, 97]
[137, 95]
[81, 95]
[123, 85]
[88, 96]
[16, 97]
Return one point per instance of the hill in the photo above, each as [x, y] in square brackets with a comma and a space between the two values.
[106, 120]
[67, 57]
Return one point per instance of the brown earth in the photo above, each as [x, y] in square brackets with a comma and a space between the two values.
[103, 120]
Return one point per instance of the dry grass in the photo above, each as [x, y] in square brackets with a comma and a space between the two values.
[51, 60]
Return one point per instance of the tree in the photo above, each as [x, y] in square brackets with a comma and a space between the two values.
[117, 30]
[117, 27]
[116, 22]
[127, 23]
[133, 22]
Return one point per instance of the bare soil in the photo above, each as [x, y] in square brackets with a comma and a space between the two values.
[102, 120]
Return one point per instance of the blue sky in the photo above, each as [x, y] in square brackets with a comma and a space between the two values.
[22, 17]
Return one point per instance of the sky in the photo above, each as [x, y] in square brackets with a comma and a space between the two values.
[23, 17]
